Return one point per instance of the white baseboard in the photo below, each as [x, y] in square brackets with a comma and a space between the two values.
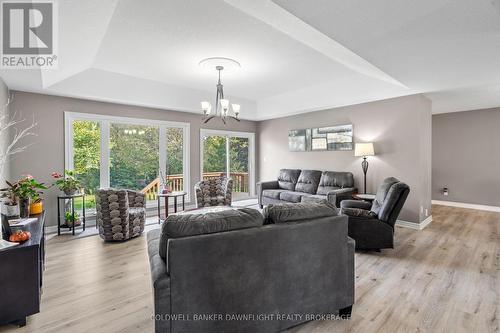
[466, 205]
[414, 225]
[51, 229]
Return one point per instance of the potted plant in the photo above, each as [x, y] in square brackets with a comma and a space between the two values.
[166, 184]
[67, 182]
[69, 219]
[10, 206]
[24, 190]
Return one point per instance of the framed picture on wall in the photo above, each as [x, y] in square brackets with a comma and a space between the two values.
[299, 140]
[338, 137]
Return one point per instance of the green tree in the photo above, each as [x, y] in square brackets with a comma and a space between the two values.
[174, 151]
[87, 153]
[134, 155]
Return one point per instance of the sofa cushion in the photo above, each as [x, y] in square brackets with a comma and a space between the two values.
[288, 178]
[313, 198]
[332, 180]
[206, 221]
[274, 194]
[294, 212]
[308, 181]
[291, 196]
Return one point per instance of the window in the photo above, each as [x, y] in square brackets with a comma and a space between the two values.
[130, 153]
[87, 158]
[134, 155]
[231, 154]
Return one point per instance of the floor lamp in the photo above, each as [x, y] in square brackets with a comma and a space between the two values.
[364, 150]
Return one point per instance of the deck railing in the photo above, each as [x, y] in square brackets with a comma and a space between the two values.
[240, 183]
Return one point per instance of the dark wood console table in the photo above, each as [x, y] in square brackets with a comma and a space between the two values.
[21, 269]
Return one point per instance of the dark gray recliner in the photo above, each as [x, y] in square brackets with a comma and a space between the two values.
[371, 225]
[296, 186]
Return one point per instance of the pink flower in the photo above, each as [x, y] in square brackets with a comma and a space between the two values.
[27, 177]
[56, 175]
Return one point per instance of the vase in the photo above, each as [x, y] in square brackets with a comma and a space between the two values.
[71, 192]
[78, 222]
[24, 207]
[36, 208]
[10, 210]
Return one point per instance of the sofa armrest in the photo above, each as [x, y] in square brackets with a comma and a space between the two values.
[136, 199]
[269, 185]
[229, 192]
[336, 196]
[160, 280]
[356, 204]
[357, 212]
[198, 194]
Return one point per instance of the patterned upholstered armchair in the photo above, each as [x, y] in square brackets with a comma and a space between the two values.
[214, 192]
[121, 214]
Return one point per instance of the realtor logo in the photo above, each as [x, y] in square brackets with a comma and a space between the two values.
[28, 35]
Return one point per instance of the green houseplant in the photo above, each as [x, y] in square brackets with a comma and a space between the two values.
[69, 219]
[68, 183]
[22, 191]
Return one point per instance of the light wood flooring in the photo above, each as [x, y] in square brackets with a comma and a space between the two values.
[445, 278]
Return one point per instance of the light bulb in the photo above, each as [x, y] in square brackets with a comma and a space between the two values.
[206, 107]
[224, 103]
[236, 109]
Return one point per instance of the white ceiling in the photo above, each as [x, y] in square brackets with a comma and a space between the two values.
[296, 55]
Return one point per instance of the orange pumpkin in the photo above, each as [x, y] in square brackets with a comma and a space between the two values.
[20, 236]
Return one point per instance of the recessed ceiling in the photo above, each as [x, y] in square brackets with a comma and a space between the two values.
[296, 56]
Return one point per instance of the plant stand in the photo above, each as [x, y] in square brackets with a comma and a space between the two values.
[71, 198]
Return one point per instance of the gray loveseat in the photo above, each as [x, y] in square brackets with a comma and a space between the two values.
[208, 269]
[307, 185]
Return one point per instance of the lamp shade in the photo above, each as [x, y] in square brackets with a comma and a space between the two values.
[364, 149]
[224, 103]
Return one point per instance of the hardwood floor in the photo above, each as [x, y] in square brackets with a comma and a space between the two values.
[445, 278]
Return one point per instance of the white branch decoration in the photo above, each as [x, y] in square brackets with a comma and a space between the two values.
[10, 124]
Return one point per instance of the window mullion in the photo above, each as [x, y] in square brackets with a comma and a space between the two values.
[105, 155]
[163, 158]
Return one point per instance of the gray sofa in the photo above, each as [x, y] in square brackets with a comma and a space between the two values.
[306, 185]
[208, 268]
[372, 224]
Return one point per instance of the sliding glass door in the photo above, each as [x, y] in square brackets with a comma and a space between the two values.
[128, 153]
[230, 154]
[239, 166]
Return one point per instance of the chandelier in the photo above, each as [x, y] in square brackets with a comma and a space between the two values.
[221, 108]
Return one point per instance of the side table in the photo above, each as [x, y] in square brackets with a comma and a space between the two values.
[174, 195]
[72, 199]
[364, 197]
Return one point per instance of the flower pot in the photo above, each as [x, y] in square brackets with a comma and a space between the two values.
[24, 207]
[71, 192]
[69, 223]
[36, 208]
[10, 210]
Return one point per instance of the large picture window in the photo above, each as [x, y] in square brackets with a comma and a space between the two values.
[129, 153]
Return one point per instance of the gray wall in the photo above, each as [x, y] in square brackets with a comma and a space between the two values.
[47, 153]
[399, 127]
[4, 137]
[466, 156]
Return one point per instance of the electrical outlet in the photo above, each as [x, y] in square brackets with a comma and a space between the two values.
[445, 191]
